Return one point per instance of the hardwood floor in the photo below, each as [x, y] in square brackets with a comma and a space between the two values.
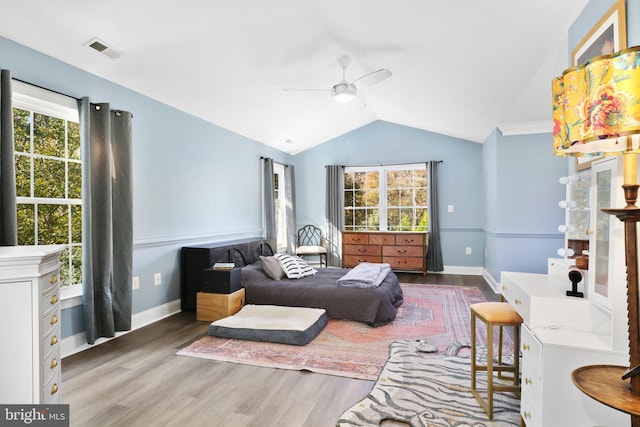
[137, 380]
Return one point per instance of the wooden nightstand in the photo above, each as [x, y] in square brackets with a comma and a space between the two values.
[210, 306]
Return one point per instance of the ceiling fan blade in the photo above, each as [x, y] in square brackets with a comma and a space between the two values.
[294, 89]
[373, 77]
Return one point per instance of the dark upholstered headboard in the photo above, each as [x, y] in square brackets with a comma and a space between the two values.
[194, 259]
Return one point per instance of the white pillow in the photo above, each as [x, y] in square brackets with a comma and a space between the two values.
[294, 267]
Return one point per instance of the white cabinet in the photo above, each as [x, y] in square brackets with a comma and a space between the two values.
[559, 334]
[30, 324]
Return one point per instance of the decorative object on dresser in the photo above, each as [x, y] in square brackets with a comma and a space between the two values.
[403, 251]
[311, 242]
[30, 319]
[195, 259]
[596, 107]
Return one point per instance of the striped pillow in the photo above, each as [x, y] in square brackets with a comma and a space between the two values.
[294, 267]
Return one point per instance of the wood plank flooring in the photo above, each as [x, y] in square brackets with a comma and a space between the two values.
[137, 380]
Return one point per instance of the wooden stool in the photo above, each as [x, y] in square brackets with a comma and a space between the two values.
[495, 314]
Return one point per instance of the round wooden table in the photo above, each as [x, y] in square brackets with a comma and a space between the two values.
[604, 383]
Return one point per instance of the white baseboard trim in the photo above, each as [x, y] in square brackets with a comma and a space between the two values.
[492, 282]
[452, 269]
[78, 342]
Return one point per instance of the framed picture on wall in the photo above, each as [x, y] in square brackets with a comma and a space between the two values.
[607, 36]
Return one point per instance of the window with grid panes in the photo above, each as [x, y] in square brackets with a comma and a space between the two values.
[386, 198]
[49, 176]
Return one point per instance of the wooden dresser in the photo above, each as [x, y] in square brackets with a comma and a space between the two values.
[30, 319]
[404, 251]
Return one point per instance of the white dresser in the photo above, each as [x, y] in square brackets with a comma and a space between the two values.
[559, 334]
[30, 324]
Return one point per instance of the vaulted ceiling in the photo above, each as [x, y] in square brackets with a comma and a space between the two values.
[459, 67]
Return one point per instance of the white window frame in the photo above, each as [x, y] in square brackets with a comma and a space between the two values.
[38, 100]
[382, 182]
[281, 207]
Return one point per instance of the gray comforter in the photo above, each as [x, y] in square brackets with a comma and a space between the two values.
[374, 306]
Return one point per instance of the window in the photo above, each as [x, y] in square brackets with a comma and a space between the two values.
[386, 198]
[281, 207]
[49, 175]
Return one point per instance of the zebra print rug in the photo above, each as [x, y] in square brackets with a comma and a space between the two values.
[428, 390]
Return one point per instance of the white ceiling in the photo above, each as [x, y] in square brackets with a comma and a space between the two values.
[460, 67]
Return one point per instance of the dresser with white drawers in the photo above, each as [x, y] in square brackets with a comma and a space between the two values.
[30, 324]
[559, 334]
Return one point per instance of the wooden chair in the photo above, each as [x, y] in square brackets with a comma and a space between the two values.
[311, 242]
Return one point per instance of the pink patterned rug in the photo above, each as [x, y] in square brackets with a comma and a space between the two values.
[433, 313]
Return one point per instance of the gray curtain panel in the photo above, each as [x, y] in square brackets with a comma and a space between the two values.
[8, 215]
[107, 219]
[434, 251]
[269, 199]
[290, 199]
[334, 214]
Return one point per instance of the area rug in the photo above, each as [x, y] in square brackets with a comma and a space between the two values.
[428, 390]
[436, 314]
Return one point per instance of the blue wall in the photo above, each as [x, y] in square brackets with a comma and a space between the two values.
[460, 177]
[522, 202]
[187, 176]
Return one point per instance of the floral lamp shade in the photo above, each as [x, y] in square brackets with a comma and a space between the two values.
[596, 106]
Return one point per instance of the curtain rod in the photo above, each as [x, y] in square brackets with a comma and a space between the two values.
[390, 164]
[45, 88]
[283, 164]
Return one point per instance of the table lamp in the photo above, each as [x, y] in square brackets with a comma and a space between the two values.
[596, 112]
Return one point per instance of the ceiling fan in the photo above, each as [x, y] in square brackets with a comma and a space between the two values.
[345, 91]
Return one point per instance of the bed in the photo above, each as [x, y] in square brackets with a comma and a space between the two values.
[373, 306]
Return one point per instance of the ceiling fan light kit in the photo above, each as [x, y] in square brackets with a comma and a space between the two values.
[344, 92]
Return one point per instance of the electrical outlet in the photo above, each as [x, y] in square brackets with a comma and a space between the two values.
[135, 283]
[450, 208]
[468, 250]
[157, 279]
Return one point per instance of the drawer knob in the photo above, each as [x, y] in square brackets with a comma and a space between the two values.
[54, 389]
[54, 363]
[504, 288]
[54, 299]
[526, 414]
[526, 347]
[518, 301]
[54, 319]
[54, 340]
[528, 381]
[53, 279]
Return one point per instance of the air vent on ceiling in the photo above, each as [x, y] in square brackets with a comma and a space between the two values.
[102, 47]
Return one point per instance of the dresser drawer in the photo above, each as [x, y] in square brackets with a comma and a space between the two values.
[51, 341]
[410, 239]
[355, 238]
[530, 413]
[399, 263]
[50, 392]
[49, 300]
[49, 321]
[382, 239]
[531, 350]
[518, 299]
[51, 367]
[402, 251]
[353, 260]
[531, 386]
[362, 250]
